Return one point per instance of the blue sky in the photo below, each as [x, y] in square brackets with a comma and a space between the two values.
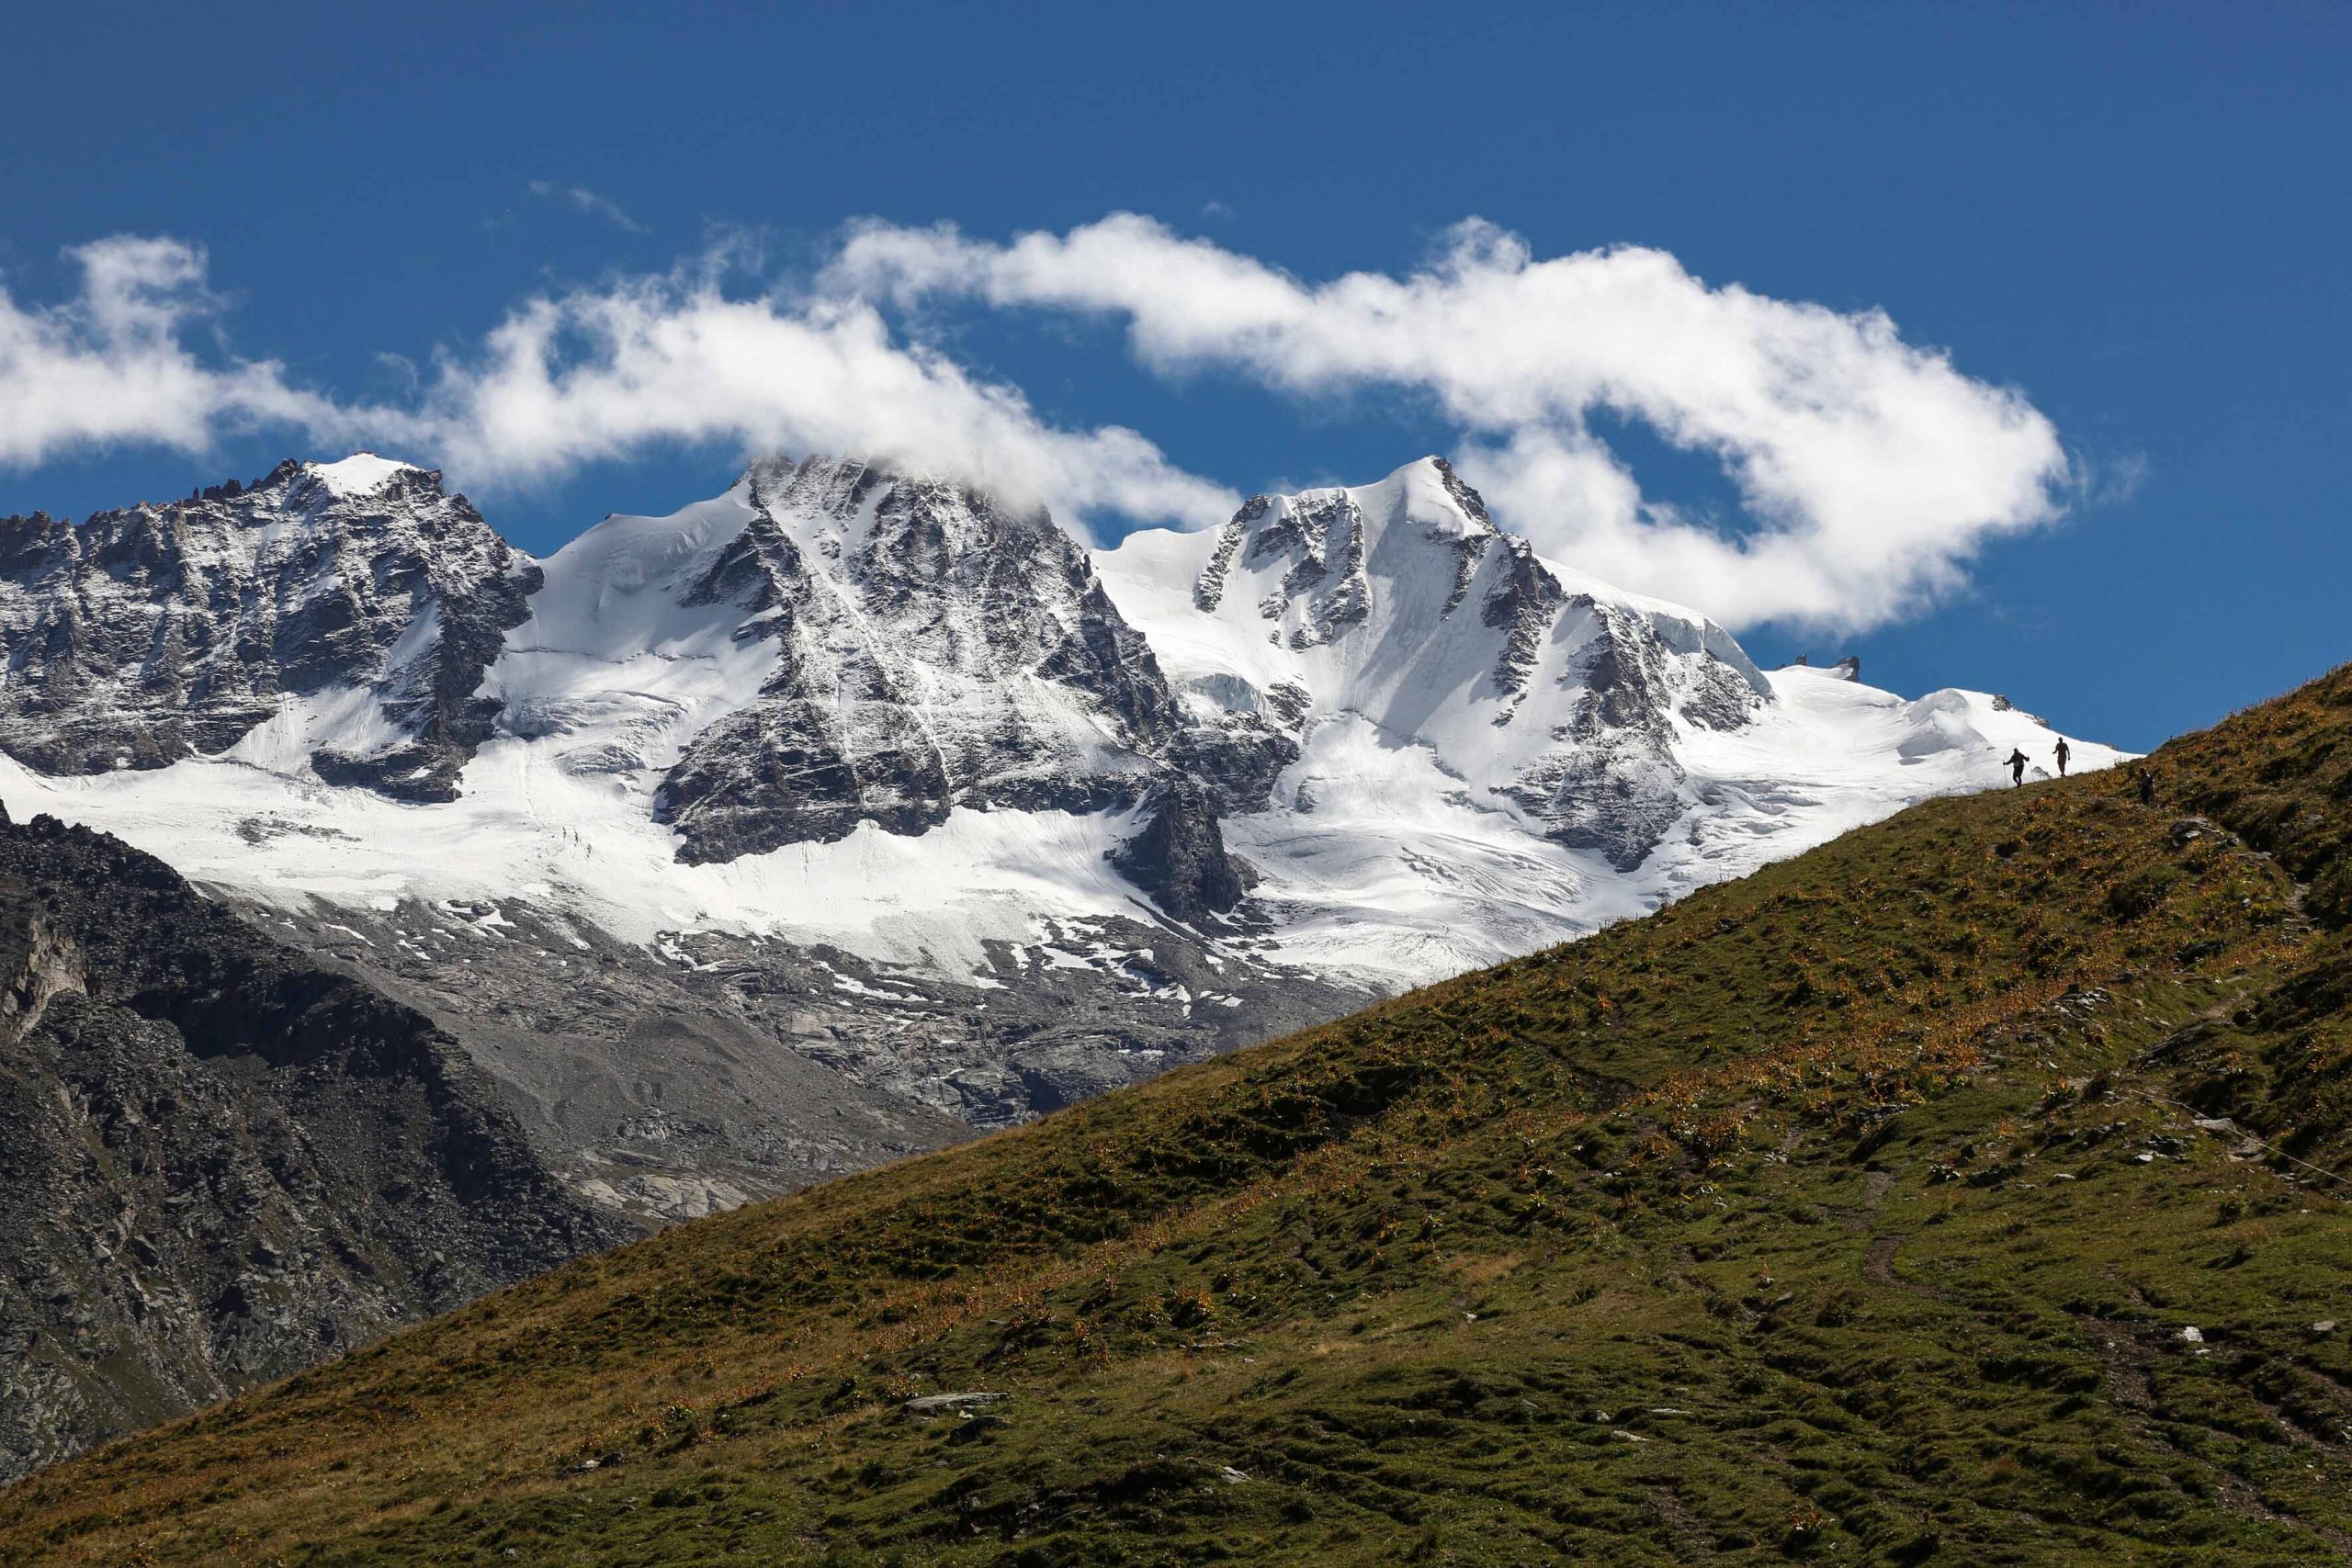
[2130, 218]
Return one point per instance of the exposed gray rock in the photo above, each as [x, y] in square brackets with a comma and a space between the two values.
[1613, 785]
[220, 1163]
[914, 624]
[1208, 593]
[1522, 606]
[1180, 857]
[952, 1403]
[145, 636]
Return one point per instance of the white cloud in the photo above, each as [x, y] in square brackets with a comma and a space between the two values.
[110, 365]
[596, 204]
[564, 381]
[591, 375]
[1870, 471]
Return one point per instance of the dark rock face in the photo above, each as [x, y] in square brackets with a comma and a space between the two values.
[1178, 857]
[1522, 605]
[1208, 593]
[219, 1162]
[933, 649]
[145, 636]
[1238, 755]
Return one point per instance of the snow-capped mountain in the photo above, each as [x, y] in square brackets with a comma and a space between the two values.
[828, 645]
[1456, 752]
[878, 781]
[355, 591]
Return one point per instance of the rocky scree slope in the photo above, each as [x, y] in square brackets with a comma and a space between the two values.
[1967, 1188]
[717, 1068]
[219, 1163]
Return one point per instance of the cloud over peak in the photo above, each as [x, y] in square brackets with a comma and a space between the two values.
[1869, 471]
[110, 364]
[571, 379]
[568, 379]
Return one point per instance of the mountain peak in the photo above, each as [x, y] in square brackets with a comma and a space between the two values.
[850, 474]
[347, 608]
[362, 473]
[1426, 491]
[769, 469]
[1433, 478]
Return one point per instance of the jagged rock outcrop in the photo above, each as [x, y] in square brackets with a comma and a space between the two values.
[220, 1163]
[357, 601]
[1178, 857]
[1614, 783]
[932, 649]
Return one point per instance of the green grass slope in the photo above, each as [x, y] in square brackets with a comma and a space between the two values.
[1860, 1210]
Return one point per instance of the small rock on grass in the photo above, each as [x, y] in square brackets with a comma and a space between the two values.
[960, 1404]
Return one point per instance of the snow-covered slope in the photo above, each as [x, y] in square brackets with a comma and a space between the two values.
[1455, 750]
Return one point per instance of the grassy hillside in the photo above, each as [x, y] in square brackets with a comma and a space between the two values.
[1859, 1210]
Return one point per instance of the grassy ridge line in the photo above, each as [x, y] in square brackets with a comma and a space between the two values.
[1727, 1040]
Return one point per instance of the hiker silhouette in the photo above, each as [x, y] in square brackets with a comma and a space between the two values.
[2015, 764]
[2147, 787]
[2065, 751]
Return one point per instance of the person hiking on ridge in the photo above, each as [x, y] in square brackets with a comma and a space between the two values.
[2015, 764]
[2065, 751]
[2147, 787]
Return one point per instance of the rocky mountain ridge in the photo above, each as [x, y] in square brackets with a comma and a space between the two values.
[140, 637]
[1402, 604]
